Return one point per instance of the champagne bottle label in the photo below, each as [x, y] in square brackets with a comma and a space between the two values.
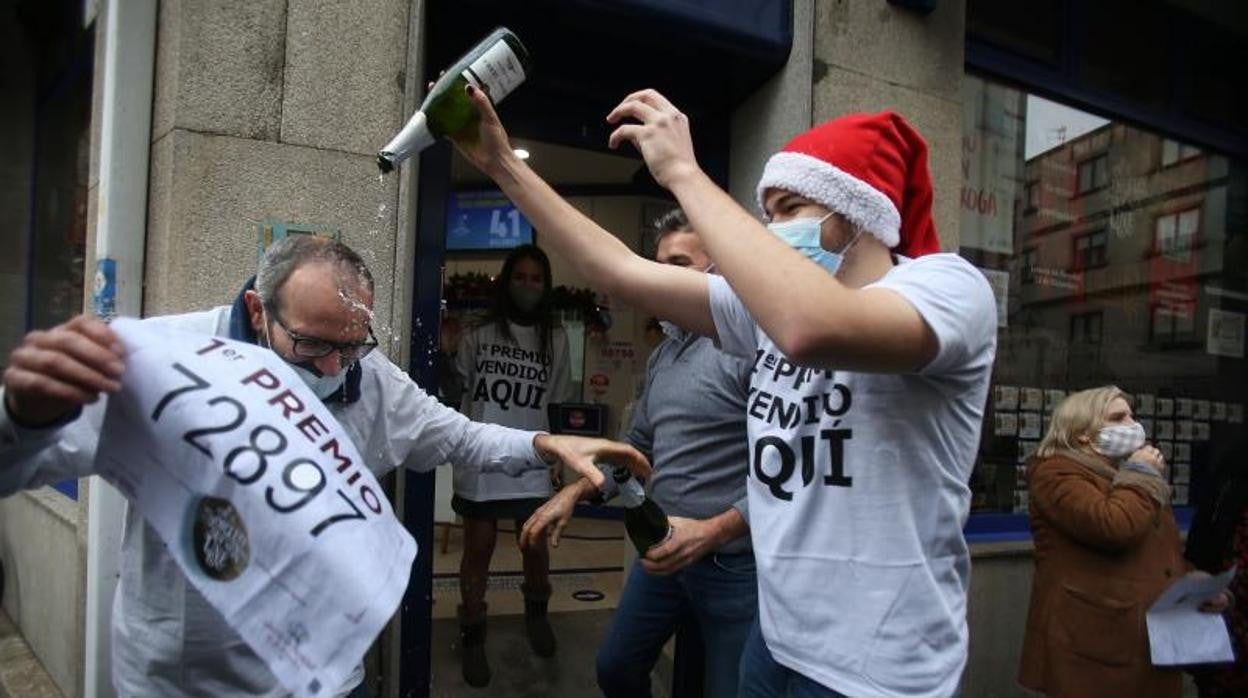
[498, 71]
[496, 66]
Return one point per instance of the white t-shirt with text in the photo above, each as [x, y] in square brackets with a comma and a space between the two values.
[858, 492]
[509, 381]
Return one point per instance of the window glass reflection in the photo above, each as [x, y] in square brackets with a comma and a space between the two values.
[1118, 255]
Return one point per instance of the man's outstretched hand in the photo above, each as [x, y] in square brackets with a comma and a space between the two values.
[580, 453]
[550, 519]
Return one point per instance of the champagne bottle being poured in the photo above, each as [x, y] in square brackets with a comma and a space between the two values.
[496, 65]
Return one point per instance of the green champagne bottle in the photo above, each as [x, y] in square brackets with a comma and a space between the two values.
[496, 65]
[644, 520]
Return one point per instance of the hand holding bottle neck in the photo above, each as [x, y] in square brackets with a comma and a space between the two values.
[488, 147]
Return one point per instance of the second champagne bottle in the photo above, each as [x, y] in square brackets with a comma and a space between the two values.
[645, 521]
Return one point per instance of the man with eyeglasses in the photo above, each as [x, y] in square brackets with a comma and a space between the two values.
[311, 304]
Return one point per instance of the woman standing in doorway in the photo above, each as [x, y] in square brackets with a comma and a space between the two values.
[513, 365]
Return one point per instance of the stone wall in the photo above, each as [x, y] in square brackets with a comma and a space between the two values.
[272, 109]
[43, 588]
[870, 56]
[863, 56]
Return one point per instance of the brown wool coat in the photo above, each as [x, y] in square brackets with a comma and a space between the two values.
[1103, 554]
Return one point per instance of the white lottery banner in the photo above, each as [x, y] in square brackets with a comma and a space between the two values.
[261, 497]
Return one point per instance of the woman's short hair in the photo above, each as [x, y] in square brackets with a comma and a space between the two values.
[1078, 414]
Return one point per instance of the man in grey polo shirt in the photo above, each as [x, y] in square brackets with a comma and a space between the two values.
[690, 420]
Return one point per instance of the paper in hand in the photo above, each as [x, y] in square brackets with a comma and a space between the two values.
[261, 497]
[1179, 633]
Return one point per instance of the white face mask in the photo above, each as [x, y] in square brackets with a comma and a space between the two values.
[1120, 440]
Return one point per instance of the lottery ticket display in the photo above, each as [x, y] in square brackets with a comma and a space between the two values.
[261, 497]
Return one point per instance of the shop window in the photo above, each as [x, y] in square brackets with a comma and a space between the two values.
[1090, 251]
[1174, 235]
[1027, 263]
[46, 164]
[1173, 323]
[1174, 152]
[1032, 197]
[1093, 174]
[1132, 287]
[1085, 328]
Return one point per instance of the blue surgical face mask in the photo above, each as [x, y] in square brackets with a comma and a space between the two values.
[806, 235]
[320, 384]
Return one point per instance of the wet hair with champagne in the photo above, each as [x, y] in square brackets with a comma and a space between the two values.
[283, 257]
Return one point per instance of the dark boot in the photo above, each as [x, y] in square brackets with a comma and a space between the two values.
[536, 624]
[472, 648]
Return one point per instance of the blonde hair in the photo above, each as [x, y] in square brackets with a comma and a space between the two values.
[1075, 416]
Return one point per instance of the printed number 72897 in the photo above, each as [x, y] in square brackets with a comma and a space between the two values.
[247, 463]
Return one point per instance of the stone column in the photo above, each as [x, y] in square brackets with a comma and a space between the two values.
[775, 113]
[871, 55]
[273, 109]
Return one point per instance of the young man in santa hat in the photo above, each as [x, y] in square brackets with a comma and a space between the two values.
[871, 370]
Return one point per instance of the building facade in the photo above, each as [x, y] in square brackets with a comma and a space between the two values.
[1109, 214]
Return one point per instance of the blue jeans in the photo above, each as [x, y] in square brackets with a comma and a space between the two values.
[763, 677]
[719, 591]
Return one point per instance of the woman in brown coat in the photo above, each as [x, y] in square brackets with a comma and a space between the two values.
[1106, 546]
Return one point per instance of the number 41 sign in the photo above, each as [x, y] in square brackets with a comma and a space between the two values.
[260, 496]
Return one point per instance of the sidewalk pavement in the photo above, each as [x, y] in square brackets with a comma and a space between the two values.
[21, 674]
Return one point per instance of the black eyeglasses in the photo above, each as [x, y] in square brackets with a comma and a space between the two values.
[306, 347]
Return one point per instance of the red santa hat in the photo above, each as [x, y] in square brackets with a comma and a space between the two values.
[871, 169]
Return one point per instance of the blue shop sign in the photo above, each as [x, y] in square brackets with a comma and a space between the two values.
[485, 220]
